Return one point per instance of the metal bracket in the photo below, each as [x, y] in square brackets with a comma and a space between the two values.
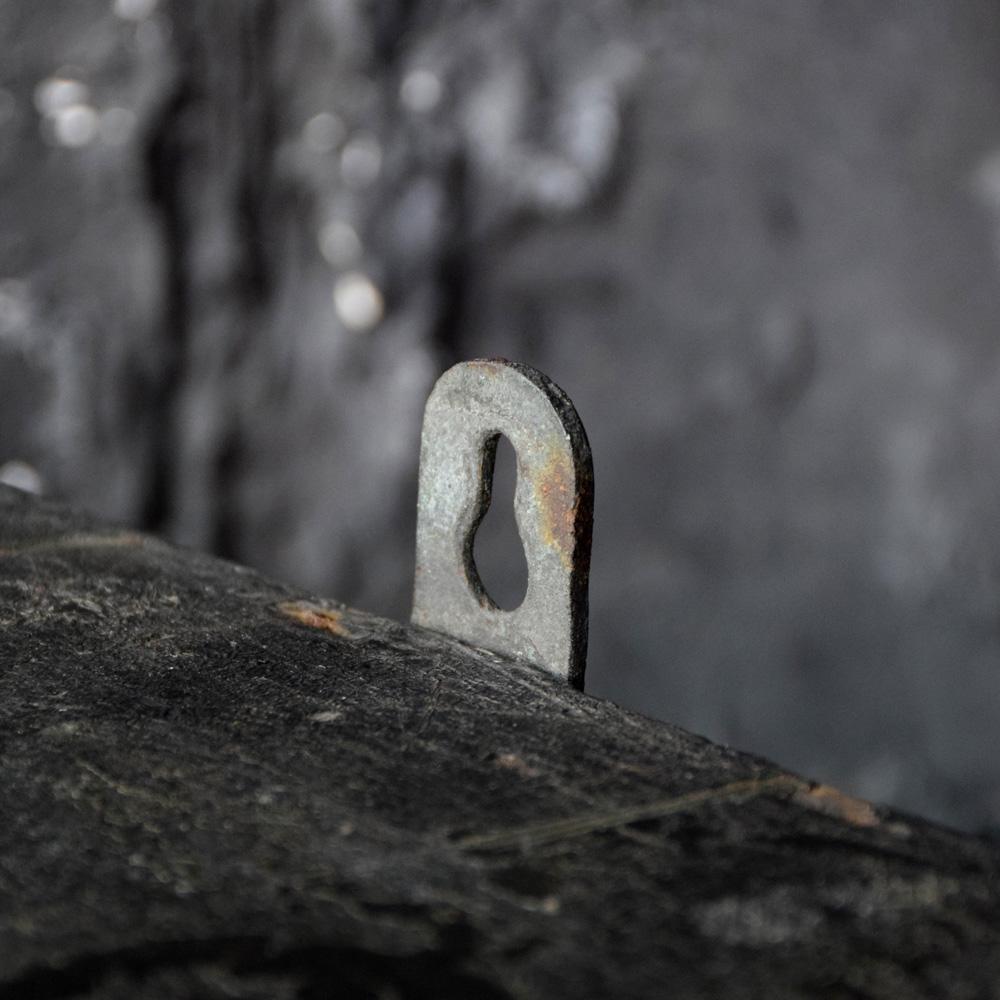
[472, 404]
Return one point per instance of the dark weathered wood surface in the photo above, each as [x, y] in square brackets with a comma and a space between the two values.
[211, 786]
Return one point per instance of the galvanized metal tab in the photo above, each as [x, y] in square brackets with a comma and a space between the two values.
[472, 404]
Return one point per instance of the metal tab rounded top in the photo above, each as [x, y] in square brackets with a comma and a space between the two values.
[472, 404]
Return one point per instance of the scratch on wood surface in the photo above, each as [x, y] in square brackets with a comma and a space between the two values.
[327, 619]
[120, 539]
[330, 715]
[549, 831]
[120, 788]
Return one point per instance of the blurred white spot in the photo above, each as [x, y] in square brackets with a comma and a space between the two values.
[58, 93]
[493, 113]
[75, 126]
[361, 160]
[358, 301]
[339, 243]
[421, 90]
[323, 132]
[21, 476]
[69, 119]
[590, 126]
[134, 10]
[15, 311]
[116, 126]
[557, 186]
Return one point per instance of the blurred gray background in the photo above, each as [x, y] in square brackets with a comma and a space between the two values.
[757, 242]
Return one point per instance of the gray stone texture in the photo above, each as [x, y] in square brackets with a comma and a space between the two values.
[756, 242]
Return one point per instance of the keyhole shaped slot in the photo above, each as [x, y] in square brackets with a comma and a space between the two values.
[498, 555]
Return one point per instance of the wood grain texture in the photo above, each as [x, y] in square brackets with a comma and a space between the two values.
[212, 785]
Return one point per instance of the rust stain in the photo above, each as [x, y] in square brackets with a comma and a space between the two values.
[555, 496]
[314, 616]
[487, 366]
[833, 802]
